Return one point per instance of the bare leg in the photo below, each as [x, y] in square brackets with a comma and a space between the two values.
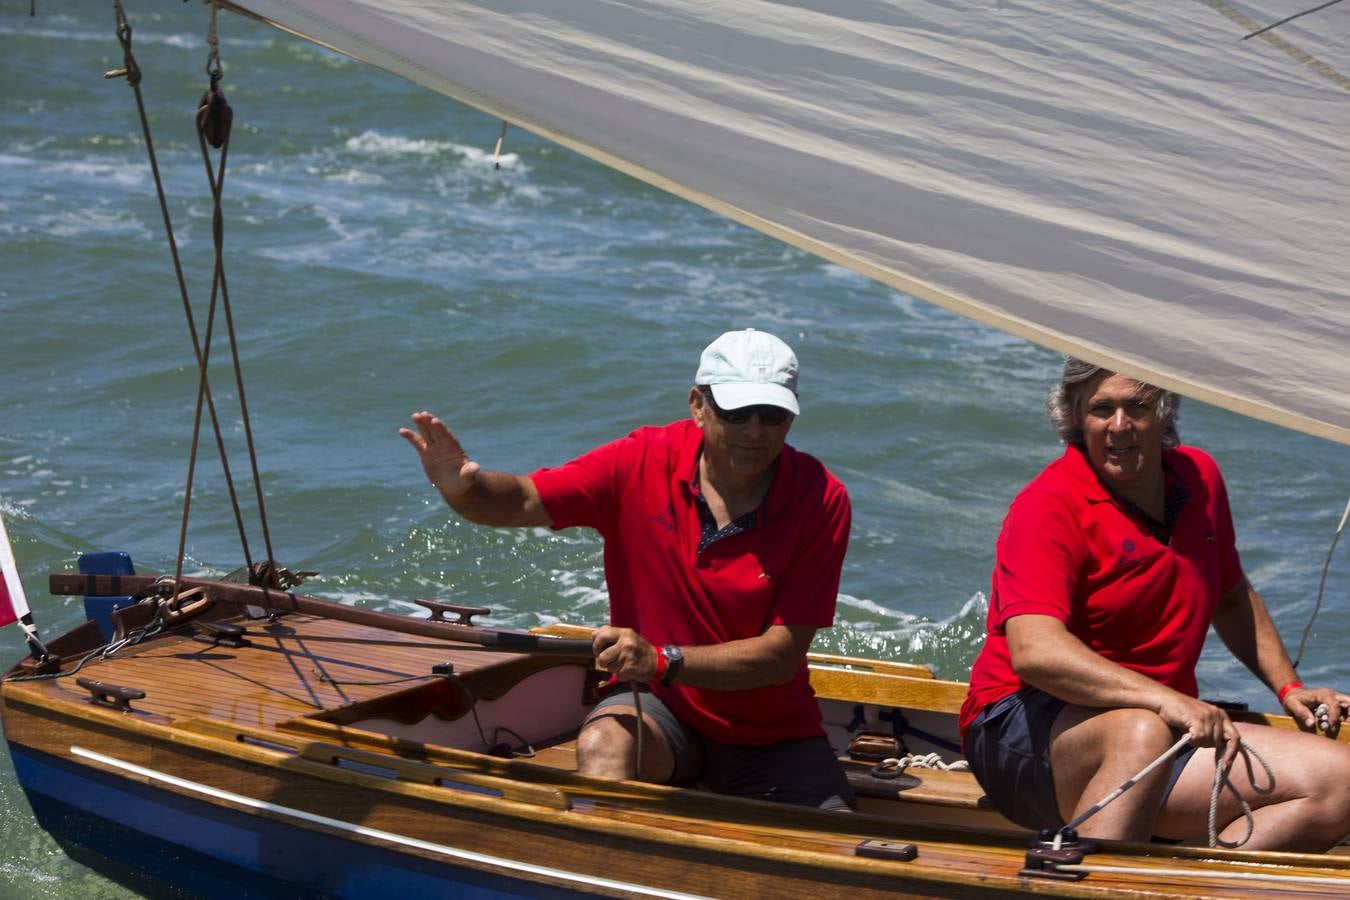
[1093, 752]
[1308, 811]
[607, 746]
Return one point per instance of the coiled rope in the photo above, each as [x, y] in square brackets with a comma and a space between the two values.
[922, 761]
[1245, 750]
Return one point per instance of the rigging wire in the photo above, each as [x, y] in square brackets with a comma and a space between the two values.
[1322, 585]
[214, 118]
[132, 72]
[105, 651]
[497, 150]
[213, 121]
[1273, 25]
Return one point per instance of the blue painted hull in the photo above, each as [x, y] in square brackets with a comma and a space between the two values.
[161, 843]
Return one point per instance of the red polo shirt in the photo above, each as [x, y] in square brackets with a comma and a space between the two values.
[1072, 549]
[638, 493]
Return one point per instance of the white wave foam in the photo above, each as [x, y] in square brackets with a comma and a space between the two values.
[377, 144]
[103, 173]
[95, 221]
[474, 158]
[585, 598]
[908, 625]
[355, 176]
[832, 270]
[876, 609]
[67, 36]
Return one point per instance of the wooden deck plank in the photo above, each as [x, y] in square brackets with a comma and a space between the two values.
[283, 673]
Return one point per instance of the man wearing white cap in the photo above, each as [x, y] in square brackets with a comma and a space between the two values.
[723, 550]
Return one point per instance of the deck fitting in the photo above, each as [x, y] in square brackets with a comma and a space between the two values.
[464, 614]
[114, 695]
[1044, 862]
[221, 634]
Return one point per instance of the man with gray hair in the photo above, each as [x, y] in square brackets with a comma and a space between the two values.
[1111, 567]
[723, 552]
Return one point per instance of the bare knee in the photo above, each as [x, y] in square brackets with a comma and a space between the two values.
[1143, 732]
[605, 746]
[1094, 751]
[1126, 737]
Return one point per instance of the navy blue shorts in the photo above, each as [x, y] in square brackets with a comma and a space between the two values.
[803, 772]
[1008, 747]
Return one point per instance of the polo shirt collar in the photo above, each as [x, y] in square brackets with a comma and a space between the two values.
[1084, 478]
[687, 458]
[780, 492]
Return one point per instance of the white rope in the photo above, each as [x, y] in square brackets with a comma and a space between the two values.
[213, 45]
[1114, 795]
[1246, 751]
[924, 761]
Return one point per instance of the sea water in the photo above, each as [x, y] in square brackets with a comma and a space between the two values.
[380, 263]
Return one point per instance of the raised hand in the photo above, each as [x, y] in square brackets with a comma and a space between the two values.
[447, 466]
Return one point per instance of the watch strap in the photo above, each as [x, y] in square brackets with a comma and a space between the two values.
[674, 658]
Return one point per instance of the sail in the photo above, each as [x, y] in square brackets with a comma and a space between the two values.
[1131, 183]
[13, 602]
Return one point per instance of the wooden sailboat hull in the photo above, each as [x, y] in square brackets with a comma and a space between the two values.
[210, 819]
[154, 839]
[292, 766]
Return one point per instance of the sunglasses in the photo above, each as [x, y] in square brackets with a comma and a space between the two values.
[768, 415]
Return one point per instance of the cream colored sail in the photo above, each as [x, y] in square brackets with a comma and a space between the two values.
[1130, 182]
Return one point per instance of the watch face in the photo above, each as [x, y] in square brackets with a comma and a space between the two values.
[674, 662]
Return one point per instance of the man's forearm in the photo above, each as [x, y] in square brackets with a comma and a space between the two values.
[771, 658]
[1048, 657]
[499, 499]
[1244, 625]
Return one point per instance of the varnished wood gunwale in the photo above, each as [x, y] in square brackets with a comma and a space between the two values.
[240, 595]
[701, 855]
[606, 838]
[271, 689]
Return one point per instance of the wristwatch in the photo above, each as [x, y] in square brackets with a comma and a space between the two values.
[674, 663]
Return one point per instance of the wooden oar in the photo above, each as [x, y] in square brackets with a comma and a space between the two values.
[283, 601]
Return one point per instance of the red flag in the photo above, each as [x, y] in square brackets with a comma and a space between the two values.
[13, 603]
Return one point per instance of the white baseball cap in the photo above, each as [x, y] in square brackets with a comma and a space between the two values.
[748, 368]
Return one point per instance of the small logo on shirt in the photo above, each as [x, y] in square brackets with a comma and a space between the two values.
[1127, 561]
[666, 519]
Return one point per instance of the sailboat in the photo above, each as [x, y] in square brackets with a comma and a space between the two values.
[1139, 187]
